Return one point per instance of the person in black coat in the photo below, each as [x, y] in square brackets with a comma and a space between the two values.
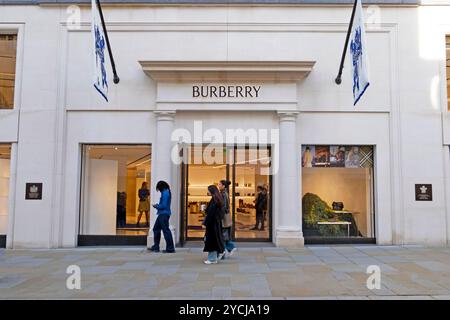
[261, 207]
[214, 243]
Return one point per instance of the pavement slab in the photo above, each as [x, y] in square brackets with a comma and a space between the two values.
[311, 272]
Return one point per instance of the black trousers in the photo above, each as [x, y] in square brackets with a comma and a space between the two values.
[259, 218]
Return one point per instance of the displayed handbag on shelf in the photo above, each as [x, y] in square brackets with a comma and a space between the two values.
[337, 205]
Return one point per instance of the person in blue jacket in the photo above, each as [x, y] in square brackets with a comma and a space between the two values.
[162, 221]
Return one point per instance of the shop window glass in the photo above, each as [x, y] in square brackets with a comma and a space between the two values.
[337, 191]
[252, 193]
[448, 70]
[8, 45]
[5, 158]
[112, 178]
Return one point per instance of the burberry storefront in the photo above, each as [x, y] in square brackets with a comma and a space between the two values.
[244, 93]
[237, 121]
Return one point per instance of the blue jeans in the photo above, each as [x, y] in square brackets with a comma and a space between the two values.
[212, 256]
[229, 245]
[162, 223]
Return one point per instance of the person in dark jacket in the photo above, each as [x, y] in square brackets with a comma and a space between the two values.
[121, 209]
[261, 207]
[162, 221]
[214, 243]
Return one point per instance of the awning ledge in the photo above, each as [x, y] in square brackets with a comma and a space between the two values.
[227, 71]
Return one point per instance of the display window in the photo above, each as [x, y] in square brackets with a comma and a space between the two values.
[337, 191]
[115, 190]
[447, 47]
[5, 164]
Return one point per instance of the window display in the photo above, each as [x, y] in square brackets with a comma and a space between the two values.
[5, 158]
[448, 69]
[337, 191]
[115, 194]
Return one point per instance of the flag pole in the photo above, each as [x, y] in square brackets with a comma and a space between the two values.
[113, 64]
[338, 79]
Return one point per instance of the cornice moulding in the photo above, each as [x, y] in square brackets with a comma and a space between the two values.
[227, 71]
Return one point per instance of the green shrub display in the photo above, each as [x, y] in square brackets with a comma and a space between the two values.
[316, 210]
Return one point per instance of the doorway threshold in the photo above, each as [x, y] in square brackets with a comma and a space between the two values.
[243, 244]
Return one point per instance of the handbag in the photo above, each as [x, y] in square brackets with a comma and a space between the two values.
[226, 221]
[337, 205]
[225, 235]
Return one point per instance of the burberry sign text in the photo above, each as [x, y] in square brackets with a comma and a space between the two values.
[226, 91]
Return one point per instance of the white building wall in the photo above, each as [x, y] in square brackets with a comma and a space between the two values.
[36, 100]
[421, 53]
[404, 112]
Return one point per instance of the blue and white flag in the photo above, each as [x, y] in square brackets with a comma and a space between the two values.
[100, 48]
[358, 54]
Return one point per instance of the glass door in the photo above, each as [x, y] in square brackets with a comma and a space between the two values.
[206, 165]
[252, 193]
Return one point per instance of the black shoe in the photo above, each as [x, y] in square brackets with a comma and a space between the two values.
[152, 249]
[254, 228]
[168, 251]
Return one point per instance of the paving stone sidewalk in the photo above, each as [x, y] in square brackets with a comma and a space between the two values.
[322, 272]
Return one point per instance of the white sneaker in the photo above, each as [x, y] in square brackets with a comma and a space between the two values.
[230, 253]
[210, 262]
[220, 255]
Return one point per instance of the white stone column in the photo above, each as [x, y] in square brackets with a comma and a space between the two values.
[162, 168]
[289, 227]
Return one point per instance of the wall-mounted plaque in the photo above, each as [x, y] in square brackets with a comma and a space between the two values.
[33, 191]
[424, 192]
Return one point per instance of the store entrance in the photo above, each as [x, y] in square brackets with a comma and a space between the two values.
[248, 170]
